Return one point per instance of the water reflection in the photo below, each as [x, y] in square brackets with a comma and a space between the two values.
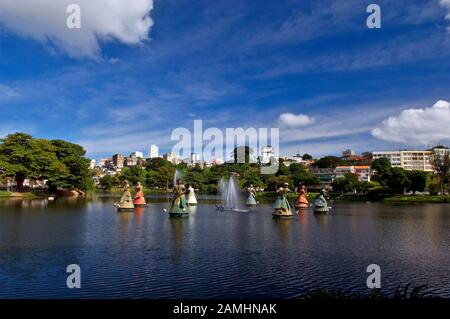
[283, 227]
[177, 226]
[222, 254]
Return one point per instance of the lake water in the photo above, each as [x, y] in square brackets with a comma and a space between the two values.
[216, 254]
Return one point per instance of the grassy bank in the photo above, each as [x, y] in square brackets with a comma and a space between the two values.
[394, 198]
[5, 194]
[417, 199]
[26, 195]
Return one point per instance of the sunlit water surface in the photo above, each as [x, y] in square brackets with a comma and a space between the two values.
[216, 254]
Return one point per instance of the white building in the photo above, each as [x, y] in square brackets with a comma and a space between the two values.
[172, 157]
[363, 172]
[137, 154]
[92, 164]
[195, 158]
[266, 154]
[153, 151]
[408, 160]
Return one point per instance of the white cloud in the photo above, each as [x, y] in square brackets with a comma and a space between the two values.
[446, 4]
[7, 93]
[295, 120]
[421, 126]
[101, 20]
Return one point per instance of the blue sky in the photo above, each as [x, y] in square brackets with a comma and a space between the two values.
[232, 64]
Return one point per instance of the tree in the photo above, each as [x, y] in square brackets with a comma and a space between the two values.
[339, 185]
[133, 174]
[441, 165]
[17, 160]
[301, 175]
[307, 157]
[107, 182]
[61, 163]
[73, 157]
[397, 180]
[156, 163]
[418, 181]
[241, 154]
[348, 183]
[328, 162]
[282, 170]
[381, 165]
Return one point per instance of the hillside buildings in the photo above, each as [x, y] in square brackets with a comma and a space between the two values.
[153, 151]
[363, 172]
[267, 153]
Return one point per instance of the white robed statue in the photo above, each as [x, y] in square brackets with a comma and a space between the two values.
[191, 197]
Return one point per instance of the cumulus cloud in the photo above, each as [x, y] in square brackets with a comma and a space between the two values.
[295, 120]
[446, 4]
[101, 20]
[423, 126]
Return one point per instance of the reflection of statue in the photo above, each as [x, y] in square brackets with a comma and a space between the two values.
[179, 203]
[302, 201]
[191, 198]
[139, 199]
[251, 199]
[126, 201]
[282, 207]
[320, 204]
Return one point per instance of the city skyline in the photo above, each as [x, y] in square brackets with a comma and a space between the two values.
[313, 69]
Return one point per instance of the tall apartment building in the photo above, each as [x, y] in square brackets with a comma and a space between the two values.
[153, 151]
[408, 160]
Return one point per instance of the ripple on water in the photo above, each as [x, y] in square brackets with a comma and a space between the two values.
[220, 254]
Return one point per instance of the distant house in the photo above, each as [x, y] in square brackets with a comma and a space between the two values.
[363, 172]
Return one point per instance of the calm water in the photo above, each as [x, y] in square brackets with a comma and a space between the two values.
[218, 254]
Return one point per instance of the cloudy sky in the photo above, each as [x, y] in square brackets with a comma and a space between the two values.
[138, 69]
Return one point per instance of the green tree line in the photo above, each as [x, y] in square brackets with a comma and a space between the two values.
[158, 174]
[59, 162]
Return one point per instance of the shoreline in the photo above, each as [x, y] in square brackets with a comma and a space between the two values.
[264, 196]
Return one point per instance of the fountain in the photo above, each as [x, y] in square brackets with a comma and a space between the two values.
[230, 195]
[176, 177]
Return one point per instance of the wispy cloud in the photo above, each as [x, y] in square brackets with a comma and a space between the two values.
[8, 93]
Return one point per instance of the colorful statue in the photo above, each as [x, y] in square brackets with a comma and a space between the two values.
[139, 199]
[191, 198]
[302, 200]
[126, 201]
[251, 199]
[179, 203]
[282, 207]
[320, 204]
